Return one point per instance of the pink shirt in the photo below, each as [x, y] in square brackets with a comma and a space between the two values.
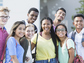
[3, 36]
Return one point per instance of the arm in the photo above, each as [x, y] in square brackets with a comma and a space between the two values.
[32, 45]
[83, 44]
[14, 59]
[71, 55]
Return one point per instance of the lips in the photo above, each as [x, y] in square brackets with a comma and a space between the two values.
[46, 29]
[21, 34]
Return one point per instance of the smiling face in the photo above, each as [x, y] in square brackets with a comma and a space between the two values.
[60, 31]
[78, 22]
[46, 25]
[3, 18]
[20, 31]
[29, 32]
[32, 16]
[60, 15]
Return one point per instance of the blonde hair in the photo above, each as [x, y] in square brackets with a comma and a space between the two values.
[4, 9]
[30, 25]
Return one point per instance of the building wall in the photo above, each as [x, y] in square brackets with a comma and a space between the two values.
[19, 10]
[49, 7]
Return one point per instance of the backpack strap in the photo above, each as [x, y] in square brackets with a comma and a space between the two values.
[36, 47]
[73, 36]
[83, 37]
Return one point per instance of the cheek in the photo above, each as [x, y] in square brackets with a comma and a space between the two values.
[56, 33]
[26, 34]
[33, 33]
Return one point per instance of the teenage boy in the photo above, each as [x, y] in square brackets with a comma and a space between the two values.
[32, 17]
[59, 16]
[4, 16]
[78, 34]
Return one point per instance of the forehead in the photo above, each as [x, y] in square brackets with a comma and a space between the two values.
[4, 13]
[21, 25]
[30, 28]
[46, 21]
[60, 27]
[33, 12]
[78, 18]
[61, 11]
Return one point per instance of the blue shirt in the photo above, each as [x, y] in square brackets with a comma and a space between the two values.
[14, 48]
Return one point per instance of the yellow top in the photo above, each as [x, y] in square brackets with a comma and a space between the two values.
[45, 48]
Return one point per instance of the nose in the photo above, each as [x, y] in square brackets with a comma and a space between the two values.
[34, 17]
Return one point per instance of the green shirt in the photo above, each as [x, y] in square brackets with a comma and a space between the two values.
[63, 55]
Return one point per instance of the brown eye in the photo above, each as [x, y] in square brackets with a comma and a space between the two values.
[20, 28]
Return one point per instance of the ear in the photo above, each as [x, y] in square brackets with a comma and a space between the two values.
[55, 14]
[73, 23]
[28, 14]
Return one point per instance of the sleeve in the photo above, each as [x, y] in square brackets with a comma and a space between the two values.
[34, 38]
[11, 44]
[69, 35]
[70, 44]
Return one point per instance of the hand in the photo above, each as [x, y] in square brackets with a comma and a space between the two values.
[27, 59]
[83, 44]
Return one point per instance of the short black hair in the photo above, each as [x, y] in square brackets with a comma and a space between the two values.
[78, 15]
[33, 9]
[61, 9]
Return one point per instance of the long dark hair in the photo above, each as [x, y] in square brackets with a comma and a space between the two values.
[56, 31]
[51, 32]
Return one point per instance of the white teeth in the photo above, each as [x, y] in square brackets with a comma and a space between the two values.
[60, 34]
[46, 28]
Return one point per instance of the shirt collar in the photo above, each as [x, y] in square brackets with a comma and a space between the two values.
[3, 28]
[82, 31]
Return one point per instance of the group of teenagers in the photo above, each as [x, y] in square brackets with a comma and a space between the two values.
[53, 43]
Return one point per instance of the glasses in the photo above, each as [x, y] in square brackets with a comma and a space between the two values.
[58, 30]
[3, 17]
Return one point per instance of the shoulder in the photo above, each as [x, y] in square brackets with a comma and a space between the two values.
[69, 35]
[70, 43]
[70, 40]
[11, 40]
[23, 40]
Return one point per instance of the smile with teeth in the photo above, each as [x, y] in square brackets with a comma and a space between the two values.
[60, 34]
[21, 34]
[46, 28]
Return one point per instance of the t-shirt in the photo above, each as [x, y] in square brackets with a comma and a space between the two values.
[63, 55]
[45, 48]
[78, 42]
[14, 48]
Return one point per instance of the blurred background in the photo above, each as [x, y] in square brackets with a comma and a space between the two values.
[19, 9]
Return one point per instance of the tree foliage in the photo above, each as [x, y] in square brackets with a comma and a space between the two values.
[81, 9]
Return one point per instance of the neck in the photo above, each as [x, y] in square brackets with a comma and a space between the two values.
[78, 30]
[63, 39]
[56, 22]
[45, 33]
[1, 26]
[17, 38]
